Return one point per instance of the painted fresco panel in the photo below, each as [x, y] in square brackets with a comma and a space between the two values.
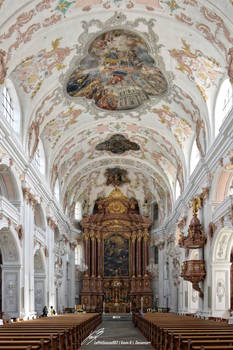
[118, 73]
[116, 256]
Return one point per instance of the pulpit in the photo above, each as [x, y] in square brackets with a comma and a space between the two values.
[116, 253]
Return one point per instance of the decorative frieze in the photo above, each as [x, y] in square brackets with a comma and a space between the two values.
[29, 197]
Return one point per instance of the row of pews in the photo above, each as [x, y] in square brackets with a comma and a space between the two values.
[62, 332]
[168, 331]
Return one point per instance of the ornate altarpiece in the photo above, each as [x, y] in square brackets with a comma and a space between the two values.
[116, 253]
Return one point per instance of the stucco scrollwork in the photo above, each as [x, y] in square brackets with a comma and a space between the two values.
[222, 246]
[220, 290]
[195, 296]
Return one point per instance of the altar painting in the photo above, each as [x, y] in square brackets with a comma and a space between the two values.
[116, 256]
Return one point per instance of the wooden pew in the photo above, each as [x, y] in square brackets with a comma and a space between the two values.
[214, 347]
[20, 347]
[176, 339]
[173, 332]
[64, 332]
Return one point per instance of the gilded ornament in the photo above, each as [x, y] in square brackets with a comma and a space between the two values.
[116, 207]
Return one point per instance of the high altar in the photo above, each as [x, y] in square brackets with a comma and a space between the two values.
[116, 254]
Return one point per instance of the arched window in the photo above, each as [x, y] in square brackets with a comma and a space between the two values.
[9, 106]
[195, 157]
[78, 211]
[57, 190]
[177, 189]
[224, 104]
[39, 158]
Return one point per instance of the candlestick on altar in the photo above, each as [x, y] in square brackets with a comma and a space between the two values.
[130, 307]
[103, 307]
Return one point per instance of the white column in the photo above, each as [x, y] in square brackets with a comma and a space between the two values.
[72, 279]
[50, 286]
[28, 256]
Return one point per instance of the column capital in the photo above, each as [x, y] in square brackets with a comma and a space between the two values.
[133, 236]
[51, 223]
[86, 236]
[146, 236]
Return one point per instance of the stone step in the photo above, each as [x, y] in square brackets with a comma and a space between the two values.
[117, 317]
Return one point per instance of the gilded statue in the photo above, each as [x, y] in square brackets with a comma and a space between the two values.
[195, 204]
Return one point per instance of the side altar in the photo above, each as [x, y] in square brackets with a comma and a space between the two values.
[116, 253]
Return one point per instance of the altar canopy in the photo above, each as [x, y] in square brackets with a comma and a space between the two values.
[116, 253]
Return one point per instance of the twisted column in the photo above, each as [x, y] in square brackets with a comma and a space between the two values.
[145, 251]
[99, 255]
[133, 264]
[139, 255]
[87, 247]
[93, 246]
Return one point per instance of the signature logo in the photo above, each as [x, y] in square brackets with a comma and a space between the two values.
[93, 336]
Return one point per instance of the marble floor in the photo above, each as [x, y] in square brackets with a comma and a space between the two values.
[120, 335]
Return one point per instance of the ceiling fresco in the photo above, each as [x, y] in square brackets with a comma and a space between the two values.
[118, 73]
[117, 84]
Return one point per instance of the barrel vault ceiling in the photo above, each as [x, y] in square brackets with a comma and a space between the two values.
[72, 64]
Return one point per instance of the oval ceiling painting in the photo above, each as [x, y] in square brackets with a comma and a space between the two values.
[118, 72]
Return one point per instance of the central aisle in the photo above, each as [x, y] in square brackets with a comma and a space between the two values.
[117, 335]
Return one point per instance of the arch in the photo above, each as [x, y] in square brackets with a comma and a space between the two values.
[39, 217]
[221, 265]
[224, 103]
[222, 245]
[9, 185]
[221, 185]
[9, 244]
[39, 262]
